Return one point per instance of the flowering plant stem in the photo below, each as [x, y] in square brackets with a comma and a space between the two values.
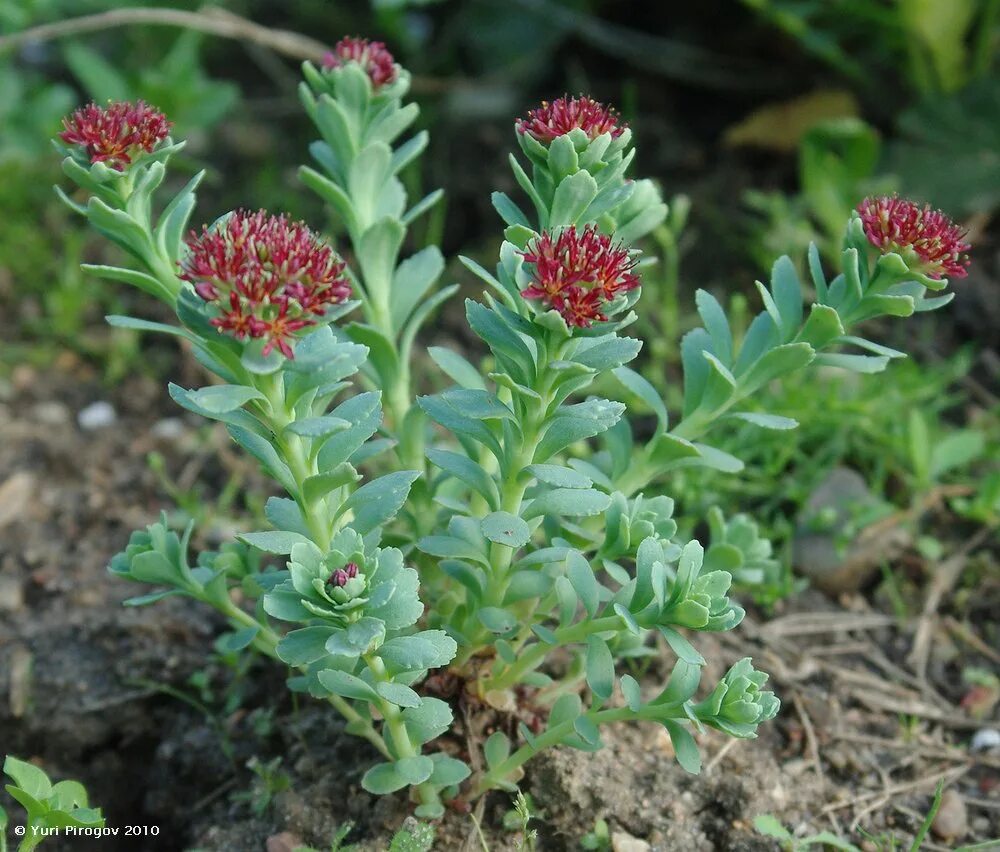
[535, 413]
[501, 775]
[266, 642]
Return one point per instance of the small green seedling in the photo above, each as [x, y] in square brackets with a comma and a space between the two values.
[52, 809]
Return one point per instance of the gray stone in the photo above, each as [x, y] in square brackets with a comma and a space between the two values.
[283, 842]
[11, 594]
[51, 413]
[15, 497]
[952, 820]
[985, 739]
[168, 429]
[622, 842]
[833, 544]
[97, 415]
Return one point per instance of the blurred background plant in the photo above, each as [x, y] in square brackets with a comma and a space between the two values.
[899, 95]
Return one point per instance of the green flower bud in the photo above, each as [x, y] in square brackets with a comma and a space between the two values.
[689, 599]
[739, 704]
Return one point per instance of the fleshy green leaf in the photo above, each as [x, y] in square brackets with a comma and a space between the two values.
[428, 649]
[600, 668]
[685, 747]
[505, 528]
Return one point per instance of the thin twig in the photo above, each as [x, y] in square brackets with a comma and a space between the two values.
[942, 582]
[965, 634]
[809, 623]
[927, 750]
[811, 740]
[951, 773]
[720, 754]
[209, 20]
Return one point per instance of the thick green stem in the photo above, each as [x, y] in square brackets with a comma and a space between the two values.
[553, 736]
[536, 654]
[299, 464]
[266, 641]
[402, 745]
[512, 488]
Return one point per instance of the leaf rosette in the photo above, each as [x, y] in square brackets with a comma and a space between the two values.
[326, 587]
[739, 703]
[687, 598]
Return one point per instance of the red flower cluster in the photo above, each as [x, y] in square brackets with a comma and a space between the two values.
[894, 224]
[117, 133]
[578, 273]
[267, 275]
[370, 55]
[558, 118]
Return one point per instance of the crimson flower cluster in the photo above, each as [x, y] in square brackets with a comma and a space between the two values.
[117, 133]
[551, 120]
[373, 56]
[895, 224]
[578, 273]
[267, 275]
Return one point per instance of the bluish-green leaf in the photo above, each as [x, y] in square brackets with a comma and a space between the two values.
[600, 668]
[685, 747]
[378, 501]
[383, 778]
[505, 528]
[575, 422]
[346, 685]
[584, 583]
[273, 541]
[468, 471]
[569, 502]
[766, 421]
[428, 649]
[457, 368]
[559, 476]
[304, 646]
[631, 692]
[642, 388]
[428, 721]
[399, 694]
[572, 197]
[496, 749]
[681, 647]
[497, 620]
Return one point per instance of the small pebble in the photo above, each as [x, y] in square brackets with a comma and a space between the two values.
[97, 415]
[952, 821]
[985, 739]
[284, 842]
[168, 429]
[11, 594]
[622, 842]
[51, 413]
[16, 494]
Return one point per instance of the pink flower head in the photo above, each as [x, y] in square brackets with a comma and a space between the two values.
[896, 224]
[340, 577]
[377, 62]
[578, 273]
[267, 276]
[559, 117]
[117, 133]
